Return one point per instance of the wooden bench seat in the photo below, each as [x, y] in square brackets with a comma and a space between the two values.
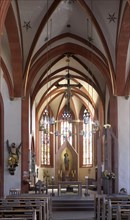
[40, 204]
[99, 201]
[123, 211]
[29, 214]
[106, 206]
[110, 206]
[13, 218]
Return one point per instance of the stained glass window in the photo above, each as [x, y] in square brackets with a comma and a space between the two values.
[87, 144]
[45, 140]
[66, 131]
[45, 152]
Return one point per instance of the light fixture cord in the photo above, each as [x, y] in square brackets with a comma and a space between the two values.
[50, 61]
[47, 106]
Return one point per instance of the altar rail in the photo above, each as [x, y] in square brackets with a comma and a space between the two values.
[71, 184]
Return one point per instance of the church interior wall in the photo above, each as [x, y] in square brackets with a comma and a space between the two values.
[90, 172]
[12, 132]
[124, 143]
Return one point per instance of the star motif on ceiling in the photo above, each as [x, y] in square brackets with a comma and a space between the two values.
[112, 17]
[90, 39]
[27, 25]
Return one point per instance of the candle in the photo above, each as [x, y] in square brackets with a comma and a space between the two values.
[86, 177]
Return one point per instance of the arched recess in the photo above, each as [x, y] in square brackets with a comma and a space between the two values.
[1, 147]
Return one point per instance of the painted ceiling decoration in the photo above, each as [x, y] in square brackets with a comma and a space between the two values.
[27, 25]
[111, 17]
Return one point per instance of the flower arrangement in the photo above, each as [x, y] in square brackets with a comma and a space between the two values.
[108, 175]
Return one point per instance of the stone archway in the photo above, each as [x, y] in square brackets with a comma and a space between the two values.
[66, 169]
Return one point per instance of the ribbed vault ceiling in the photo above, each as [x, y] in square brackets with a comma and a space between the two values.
[50, 32]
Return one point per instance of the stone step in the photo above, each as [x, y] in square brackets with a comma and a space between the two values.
[72, 205]
[72, 215]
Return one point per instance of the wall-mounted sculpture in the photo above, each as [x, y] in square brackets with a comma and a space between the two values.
[13, 160]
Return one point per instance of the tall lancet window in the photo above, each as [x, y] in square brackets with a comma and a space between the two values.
[45, 139]
[66, 128]
[87, 144]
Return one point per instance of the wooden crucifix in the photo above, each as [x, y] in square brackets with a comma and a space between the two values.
[68, 84]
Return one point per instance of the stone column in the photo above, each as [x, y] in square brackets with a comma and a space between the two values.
[25, 143]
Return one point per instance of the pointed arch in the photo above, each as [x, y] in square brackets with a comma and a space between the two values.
[1, 147]
[122, 48]
[73, 48]
[16, 51]
[29, 58]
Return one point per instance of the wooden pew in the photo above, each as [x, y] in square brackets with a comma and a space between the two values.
[13, 218]
[29, 214]
[37, 202]
[110, 206]
[99, 202]
[106, 205]
[40, 203]
[123, 211]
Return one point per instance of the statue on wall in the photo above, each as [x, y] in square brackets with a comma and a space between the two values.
[13, 159]
[66, 161]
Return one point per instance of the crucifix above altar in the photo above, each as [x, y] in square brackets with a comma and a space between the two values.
[68, 77]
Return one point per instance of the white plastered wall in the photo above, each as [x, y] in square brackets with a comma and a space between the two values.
[12, 132]
[124, 142]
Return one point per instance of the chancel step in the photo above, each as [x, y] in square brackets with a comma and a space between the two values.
[75, 204]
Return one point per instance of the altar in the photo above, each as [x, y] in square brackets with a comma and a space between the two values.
[66, 184]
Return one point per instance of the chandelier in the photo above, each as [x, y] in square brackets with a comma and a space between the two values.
[45, 121]
[45, 117]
